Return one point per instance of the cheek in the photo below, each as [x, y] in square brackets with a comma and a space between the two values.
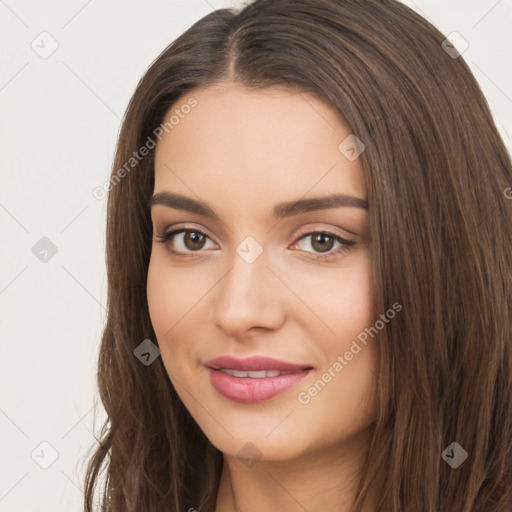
[349, 305]
[343, 392]
[171, 296]
[339, 301]
[161, 296]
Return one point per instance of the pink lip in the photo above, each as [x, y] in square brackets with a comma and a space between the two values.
[251, 390]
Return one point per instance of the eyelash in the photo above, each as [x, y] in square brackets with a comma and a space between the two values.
[346, 244]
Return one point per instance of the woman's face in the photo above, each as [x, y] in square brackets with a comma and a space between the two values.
[253, 278]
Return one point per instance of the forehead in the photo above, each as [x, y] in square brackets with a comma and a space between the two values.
[245, 146]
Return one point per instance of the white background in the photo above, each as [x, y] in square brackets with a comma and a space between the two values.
[59, 121]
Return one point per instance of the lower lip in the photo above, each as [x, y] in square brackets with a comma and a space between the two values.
[249, 390]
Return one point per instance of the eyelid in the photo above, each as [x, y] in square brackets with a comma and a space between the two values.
[321, 227]
[187, 227]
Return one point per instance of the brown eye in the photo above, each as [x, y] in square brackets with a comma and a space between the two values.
[184, 242]
[322, 242]
[194, 240]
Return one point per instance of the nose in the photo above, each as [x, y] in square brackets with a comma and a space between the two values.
[249, 298]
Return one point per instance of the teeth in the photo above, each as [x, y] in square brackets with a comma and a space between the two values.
[271, 373]
[260, 374]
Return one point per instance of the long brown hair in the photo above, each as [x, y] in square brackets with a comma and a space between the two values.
[440, 227]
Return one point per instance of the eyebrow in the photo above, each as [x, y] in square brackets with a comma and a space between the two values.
[281, 210]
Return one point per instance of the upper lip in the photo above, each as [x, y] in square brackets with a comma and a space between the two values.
[254, 363]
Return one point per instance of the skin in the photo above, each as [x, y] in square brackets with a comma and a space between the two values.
[242, 152]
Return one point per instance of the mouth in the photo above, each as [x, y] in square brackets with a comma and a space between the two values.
[255, 374]
[255, 364]
[254, 379]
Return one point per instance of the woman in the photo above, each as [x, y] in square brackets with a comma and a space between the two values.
[308, 254]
